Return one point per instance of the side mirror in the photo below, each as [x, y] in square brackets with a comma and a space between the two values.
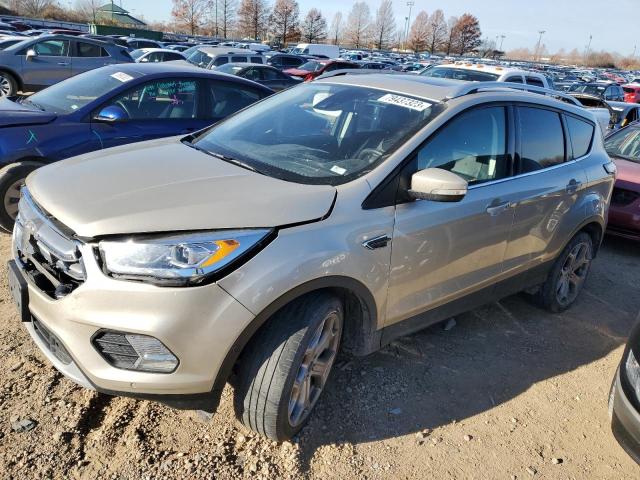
[437, 185]
[112, 114]
[31, 54]
[144, 60]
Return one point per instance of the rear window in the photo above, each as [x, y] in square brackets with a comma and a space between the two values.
[256, 60]
[460, 74]
[536, 82]
[239, 59]
[629, 90]
[541, 137]
[581, 134]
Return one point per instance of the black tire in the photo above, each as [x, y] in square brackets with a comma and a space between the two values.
[8, 84]
[272, 364]
[552, 294]
[11, 176]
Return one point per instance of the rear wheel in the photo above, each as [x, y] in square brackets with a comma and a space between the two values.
[12, 178]
[8, 85]
[285, 367]
[568, 275]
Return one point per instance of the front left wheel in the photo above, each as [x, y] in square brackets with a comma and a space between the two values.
[284, 368]
[12, 178]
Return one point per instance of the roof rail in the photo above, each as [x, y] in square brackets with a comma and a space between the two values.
[476, 87]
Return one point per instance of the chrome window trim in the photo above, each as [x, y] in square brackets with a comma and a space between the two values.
[527, 174]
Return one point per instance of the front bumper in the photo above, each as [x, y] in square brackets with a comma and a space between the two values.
[625, 420]
[198, 324]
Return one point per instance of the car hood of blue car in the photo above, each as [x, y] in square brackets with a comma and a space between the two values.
[13, 114]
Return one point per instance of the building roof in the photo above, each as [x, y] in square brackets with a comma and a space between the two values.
[114, 13]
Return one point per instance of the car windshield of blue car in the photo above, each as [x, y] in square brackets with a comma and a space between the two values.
[76, 92]
[319, 133]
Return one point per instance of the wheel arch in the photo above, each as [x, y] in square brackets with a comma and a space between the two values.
[360, 335]
[14, 74]
[595, 229]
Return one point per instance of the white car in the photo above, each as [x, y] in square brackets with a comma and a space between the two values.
[487, 73]
[153, 55]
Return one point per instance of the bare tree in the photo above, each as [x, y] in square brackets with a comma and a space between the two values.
[419, 34]
[468, 34]
[253, 16]
[226, 12]
[385, 25]
[284, 20]
[436, 31]
[336, 28]
[358, 25]
[190, 13]
[452, 36]
[314, 26]
[31, 8]
[87, 9]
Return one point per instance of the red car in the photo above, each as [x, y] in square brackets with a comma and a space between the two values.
[631, 93]
[314, 68]
[623, 147]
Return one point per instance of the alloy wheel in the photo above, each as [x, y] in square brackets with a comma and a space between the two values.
[573, 273]
[12, 197]
[5, 86]
[314, 370]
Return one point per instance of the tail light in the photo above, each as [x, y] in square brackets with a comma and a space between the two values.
[308, 78]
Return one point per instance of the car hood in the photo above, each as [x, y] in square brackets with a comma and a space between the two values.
[162, 186]
[13, 114]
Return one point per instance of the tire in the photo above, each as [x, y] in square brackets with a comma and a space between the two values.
[12, 178]
[567, 276]
[8, 85]
[275, 369]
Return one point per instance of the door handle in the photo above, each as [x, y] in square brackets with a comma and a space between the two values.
[380, 241]
[64, 64]
[573, 186]
[494, 209]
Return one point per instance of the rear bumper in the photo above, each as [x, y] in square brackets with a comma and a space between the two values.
[625, 421]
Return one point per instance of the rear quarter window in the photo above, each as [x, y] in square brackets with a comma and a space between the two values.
[581, 134]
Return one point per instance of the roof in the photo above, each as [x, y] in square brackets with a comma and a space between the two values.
[212, 51]
[114, 13]
[429, 88]
[495, 69]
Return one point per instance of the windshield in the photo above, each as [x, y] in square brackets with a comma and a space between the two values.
[76, 92]
[459, 74]
[340, 132]
[136, 54]
[624, 143]
[589, 89]
[311, 66]
[229, 68]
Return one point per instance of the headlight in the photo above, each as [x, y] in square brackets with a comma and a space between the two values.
[632, 372]
[180, 259]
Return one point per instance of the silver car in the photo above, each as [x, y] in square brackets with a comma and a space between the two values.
[339, 214]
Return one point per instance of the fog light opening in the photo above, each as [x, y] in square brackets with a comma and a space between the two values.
[131, 351]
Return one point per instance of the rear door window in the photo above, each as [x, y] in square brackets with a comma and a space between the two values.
[514, 79]
[581, 134]
[541, 139]
[90, 50]
[221, 61]
[227, 98]
[256, 60]
[536, 82]
[238, 59]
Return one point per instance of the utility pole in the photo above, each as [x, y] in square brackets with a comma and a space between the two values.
[410, 5]
[586, 55]
[541, 32]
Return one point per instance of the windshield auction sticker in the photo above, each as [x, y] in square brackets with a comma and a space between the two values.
[405, 102]
[123, 77]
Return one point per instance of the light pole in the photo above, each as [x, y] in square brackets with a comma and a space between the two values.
[502, 37]
[410, 5]
[586, 55]
[541, 32]
[404, 36]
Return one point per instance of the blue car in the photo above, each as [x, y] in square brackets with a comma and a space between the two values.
[106, 107]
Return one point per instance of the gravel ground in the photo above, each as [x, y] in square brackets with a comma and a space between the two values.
[509, 391]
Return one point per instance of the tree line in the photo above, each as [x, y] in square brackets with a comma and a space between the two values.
[282, 23]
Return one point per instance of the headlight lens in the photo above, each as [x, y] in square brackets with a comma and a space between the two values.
[632, 372]
[179, 259]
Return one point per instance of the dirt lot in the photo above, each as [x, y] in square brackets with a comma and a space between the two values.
[509, 392]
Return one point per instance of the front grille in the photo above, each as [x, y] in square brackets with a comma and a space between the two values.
[46, 251]
[51, 342]
[116, 349]
[623, 197]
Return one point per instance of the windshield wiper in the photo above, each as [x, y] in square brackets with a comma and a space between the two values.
[225, 158]
[31, 102]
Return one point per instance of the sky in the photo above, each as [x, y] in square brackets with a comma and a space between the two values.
[567, 23]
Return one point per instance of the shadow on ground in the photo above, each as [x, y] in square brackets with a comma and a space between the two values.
[492, 355]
